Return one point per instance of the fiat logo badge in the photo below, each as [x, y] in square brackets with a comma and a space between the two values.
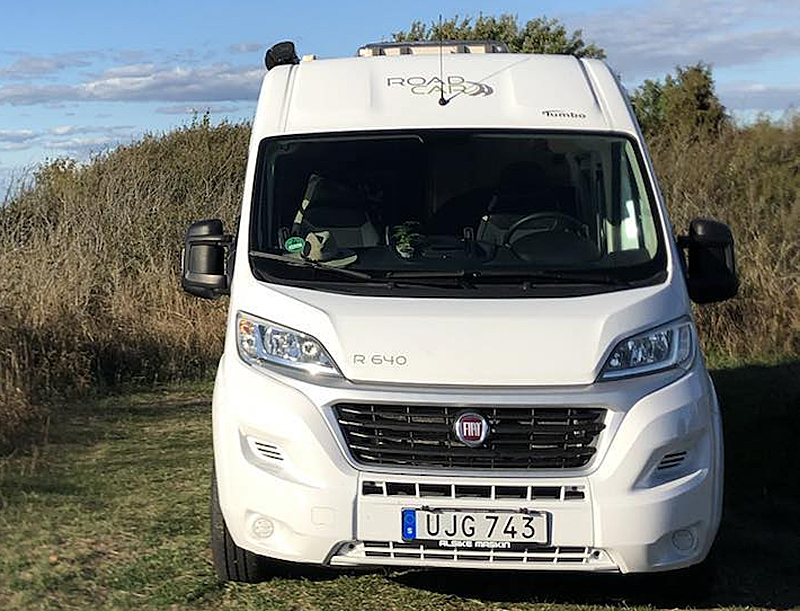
[471, 429]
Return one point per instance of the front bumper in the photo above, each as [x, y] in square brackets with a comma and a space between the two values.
[650, 500]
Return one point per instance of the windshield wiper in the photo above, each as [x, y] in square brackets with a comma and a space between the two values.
[402, 280]
[312, 264]
[461, 278]
[419, 275]
[534, 276]
[562, 277]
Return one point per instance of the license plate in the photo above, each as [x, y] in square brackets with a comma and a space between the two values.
[474, 529]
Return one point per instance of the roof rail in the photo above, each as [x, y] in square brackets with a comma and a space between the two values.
[429, 47]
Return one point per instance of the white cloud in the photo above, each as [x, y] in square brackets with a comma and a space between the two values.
[654, 38]
[82, 145]
[761, 97]
[15, 146]
[212, 83]
[32, 94]
[29, 66]
[73, 138]
[130, 70]
[247, 47]
[71, 130]
[16, 136]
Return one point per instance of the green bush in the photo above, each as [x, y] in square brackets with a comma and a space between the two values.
[684, 105]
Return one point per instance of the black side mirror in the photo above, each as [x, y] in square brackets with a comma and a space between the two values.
[711, 270]
[204, 270]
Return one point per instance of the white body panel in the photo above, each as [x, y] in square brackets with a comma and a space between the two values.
[447, 341]
[367, 94]
[462, 352]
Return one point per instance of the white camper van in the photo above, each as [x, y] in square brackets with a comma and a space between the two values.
[459, 329]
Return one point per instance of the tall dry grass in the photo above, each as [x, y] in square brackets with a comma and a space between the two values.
[748, 178]
[89, 269]
[89, 257]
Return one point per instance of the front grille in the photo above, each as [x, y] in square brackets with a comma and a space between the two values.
[423, 436]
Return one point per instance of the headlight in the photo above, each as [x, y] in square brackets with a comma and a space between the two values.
[661, 348]
[265, 344]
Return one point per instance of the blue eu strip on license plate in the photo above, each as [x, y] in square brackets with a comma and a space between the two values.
[409, 518]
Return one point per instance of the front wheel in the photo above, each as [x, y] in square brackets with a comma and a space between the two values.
[231, 562]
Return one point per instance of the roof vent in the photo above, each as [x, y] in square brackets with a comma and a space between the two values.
[432, 47]
[281, 54]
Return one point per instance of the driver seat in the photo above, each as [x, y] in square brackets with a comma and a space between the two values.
[521, 189]
[506, 209]
[493, 227]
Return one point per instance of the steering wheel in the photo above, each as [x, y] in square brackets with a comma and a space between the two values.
[559, 219]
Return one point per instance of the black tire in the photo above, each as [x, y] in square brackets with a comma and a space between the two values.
[231, 562]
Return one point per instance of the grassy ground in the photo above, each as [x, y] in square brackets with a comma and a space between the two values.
[111, 513]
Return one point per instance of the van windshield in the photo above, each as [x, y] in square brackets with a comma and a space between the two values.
[483, 206]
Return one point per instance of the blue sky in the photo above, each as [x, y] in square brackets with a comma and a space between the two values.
[78, 77]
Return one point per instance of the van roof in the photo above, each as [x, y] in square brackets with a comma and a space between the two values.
[492, 90]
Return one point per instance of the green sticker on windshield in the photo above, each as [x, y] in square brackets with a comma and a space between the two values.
[294, 244]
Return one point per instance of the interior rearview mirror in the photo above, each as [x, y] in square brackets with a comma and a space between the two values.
[204, 262]
[711, 263]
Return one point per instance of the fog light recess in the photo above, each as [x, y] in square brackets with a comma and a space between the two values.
[262, 528]
[683, 540]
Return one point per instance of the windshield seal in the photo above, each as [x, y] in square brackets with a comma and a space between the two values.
[501, 285]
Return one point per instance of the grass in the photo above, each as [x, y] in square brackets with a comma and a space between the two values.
[112, 513]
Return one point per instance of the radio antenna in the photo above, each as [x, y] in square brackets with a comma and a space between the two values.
[442, 100]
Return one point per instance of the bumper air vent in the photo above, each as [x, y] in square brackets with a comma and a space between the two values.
[671, 460]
